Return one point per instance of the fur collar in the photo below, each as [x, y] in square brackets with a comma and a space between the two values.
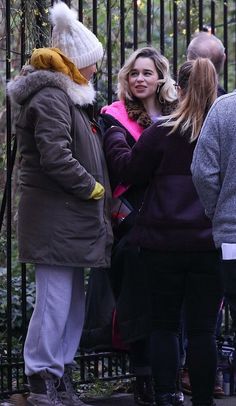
[137, 112]
[32, 80]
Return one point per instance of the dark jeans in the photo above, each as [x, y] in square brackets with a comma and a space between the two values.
[140, 357]
[192, 278]
[229, 278]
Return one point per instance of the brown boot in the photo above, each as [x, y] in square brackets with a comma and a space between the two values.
[67, 391]
[43, 390]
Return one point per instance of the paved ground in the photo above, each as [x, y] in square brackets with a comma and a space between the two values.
[127, 400]
[124, 400]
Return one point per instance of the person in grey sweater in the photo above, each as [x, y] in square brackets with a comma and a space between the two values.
[213, 170]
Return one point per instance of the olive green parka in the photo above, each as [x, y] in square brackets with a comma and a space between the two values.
[61, 158]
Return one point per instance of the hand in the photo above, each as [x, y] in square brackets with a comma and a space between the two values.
[98, 192]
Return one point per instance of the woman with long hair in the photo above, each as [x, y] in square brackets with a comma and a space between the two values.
[177, 256]
[146, 92]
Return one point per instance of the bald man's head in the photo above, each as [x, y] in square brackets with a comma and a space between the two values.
[207, 45]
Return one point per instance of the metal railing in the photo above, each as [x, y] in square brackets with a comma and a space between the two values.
[122, 26]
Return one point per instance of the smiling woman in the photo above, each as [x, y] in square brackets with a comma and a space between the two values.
[144, 81]
[177, 257]
[146, 92]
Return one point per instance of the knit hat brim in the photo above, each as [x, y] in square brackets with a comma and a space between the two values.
[89, 58]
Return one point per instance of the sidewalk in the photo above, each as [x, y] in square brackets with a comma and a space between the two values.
[127, 400]
[124, 400]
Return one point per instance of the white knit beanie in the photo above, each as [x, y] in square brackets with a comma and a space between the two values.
[73, 38]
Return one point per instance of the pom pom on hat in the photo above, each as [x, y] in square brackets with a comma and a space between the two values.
[73, 38]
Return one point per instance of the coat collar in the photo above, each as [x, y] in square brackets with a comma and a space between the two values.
[136, 111]
[32, 80]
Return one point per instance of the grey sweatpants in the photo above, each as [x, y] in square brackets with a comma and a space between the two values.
[56, 324]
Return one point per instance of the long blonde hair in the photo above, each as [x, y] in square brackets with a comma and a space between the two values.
[167, 92]
[197, 80]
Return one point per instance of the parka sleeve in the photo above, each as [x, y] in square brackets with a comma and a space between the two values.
[51, 114]
[205, 166]
[136, 164]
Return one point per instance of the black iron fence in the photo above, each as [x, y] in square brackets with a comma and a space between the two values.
[122, 26]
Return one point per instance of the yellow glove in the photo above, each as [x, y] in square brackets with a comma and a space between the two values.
[98, 192]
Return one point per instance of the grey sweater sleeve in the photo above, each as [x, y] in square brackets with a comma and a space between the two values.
[206, 163]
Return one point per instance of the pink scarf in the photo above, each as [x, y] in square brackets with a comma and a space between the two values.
[118, 111]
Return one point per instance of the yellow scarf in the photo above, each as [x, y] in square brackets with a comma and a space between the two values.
[54, 59]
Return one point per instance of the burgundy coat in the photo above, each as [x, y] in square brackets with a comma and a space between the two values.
[171, 216]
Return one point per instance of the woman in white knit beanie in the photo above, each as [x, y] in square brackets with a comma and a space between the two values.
[73, 38]
[64, 207]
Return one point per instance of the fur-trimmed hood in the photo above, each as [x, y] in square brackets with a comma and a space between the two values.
[33, 80]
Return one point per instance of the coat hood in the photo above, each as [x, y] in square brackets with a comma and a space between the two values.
[33, 80]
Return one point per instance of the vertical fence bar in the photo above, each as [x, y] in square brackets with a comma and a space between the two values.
[225, 13]
[80, 10]
[213, 10]
[135, 22]
[8, 199]
[122, 32]
[95, 29]
[23, 266]
[162, 27]
[109, 52]
[200, 15]
[4, 198]
[149, 22]
[22, 32]
[82, 368]
[175, 37]
[23, 302]
[95, 26]
[188, 22]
